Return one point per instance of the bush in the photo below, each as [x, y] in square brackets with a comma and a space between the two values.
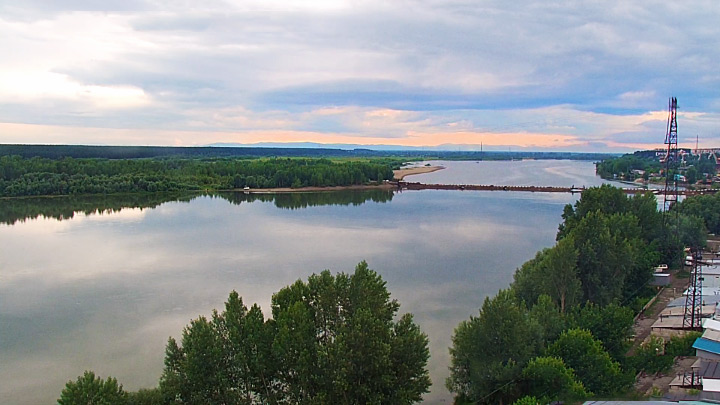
[682, 345]
[650, 357]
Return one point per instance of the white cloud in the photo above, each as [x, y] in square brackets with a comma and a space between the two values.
[587, 70]
[30, 87]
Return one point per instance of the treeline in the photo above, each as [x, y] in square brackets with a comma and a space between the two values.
[626, 167]
[139, 152]
[135, 152]
[622, 167]
[331, 340]
[561, 331]
[68, 176]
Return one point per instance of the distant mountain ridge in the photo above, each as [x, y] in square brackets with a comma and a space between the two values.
[349, 146]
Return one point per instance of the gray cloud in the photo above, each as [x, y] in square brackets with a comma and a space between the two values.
[441, 58]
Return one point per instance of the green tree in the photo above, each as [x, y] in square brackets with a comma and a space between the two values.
[650, 356]
[682, 345]
[605, 199]
[331, 340]
[692, 231]
[593, 366]
[550, 379]
[560, 279]
[602, 259]
[490, 350]
[611, 325]
[341, 329]
[528, 282]
[551, 321]
[89, 389]
[146, 397]
[706, 207]
[528, 400]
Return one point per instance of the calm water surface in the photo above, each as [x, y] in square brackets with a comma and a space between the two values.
[104, 290]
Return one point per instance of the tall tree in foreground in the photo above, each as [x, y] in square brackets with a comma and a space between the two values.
[561, 277]
[331, 340]
[338, 343]
[489, 351]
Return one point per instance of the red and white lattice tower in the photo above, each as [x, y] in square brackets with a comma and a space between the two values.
[672, 162]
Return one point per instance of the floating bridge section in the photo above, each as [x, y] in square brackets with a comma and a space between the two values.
[403, 185]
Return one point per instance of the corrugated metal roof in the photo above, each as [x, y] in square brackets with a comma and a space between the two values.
[706, 300]
[710, 369]
[711, 324]
[711, 334]
[707, 345]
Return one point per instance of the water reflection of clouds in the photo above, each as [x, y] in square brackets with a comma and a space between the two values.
[117, 290]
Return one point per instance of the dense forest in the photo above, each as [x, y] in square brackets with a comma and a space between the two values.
[69, 176]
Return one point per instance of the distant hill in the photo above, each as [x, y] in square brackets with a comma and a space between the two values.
[350, 146]
[278, 150]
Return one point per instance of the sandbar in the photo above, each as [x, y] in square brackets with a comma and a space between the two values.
[400, 174]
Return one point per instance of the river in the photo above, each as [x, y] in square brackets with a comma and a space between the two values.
[100, 283]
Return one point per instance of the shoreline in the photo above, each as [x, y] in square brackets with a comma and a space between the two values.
[402, 173]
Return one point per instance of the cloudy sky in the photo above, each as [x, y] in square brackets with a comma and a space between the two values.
[550, 75]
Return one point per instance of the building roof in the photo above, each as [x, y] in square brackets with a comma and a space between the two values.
[711, 324]
[711, 334]
[710, 369]
[706, 291]
[628, 403]
[706, 300]
[706, 311]
[707, 345]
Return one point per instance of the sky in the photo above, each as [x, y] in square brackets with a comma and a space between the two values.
[591, 76]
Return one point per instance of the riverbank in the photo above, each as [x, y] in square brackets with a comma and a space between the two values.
[402, 173]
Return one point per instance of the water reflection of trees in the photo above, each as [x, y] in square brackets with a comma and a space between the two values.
[61, 208]
[304, 200]
[14, 210]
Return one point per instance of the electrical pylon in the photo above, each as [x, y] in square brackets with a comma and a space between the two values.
[692, 318]
[671, 160]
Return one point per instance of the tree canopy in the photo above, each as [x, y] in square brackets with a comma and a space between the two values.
[562, 328]
[68, 176]
[89, 389]
[332, 339]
